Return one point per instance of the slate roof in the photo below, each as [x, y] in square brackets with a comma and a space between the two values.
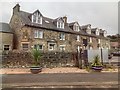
[72, 23]
[48, 23]
[85, 26]
[4, 27]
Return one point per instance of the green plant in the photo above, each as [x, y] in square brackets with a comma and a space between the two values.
[96, 61]
[36, 55]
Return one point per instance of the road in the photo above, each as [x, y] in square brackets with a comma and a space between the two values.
[71, 79]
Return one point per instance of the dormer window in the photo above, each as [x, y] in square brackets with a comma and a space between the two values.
[76, 27]
[37, 18]
[97, 32]
[88, 30]
[60, 24]
[105, 33]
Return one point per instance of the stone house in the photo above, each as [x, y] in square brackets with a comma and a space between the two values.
[33, 30]
[6, 37]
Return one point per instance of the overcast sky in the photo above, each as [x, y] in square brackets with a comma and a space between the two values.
[103, 15]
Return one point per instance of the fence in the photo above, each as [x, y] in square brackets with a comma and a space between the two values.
[103, 54]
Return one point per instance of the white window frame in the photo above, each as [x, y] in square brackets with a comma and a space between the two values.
[62, 36]
[37, 18]
[89, 31]
[99, 41]
[78, 37]
[97, 32]
[54, 47]
[60, 24]
[38, 34]
[78, 48]
[62, 47]
[105, 33]
[76, 27]
[90, 39]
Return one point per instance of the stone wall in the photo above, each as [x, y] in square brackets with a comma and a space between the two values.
[49, 59]
[6, 39]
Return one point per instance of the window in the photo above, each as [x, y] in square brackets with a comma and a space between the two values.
[90, 40]
[25, 46]
[98, 40]
[62, 47]
[6, 47]
[38, 34]
[105, 33]
[62, 36]
[60, 24]
[37, 18]
[78, 38]
[78, 48]
[38, 46]
[51, 46]
[85, 42]
[89, 31]
[97, 32]
[77, 28]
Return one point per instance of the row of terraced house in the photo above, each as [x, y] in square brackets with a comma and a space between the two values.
[31, 30]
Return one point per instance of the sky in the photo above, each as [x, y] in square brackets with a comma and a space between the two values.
[103, 15]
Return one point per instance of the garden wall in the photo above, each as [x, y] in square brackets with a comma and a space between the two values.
[49, 59]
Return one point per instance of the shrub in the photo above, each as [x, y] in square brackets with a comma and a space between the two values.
[36, 55]
[96, 61]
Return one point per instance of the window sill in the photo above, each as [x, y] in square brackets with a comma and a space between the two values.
[36, 23]
[38, 38]
[62, 39]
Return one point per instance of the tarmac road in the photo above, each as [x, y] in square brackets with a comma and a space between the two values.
[59, 79]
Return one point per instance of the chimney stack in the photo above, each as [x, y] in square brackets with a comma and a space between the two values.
[65, 19]
[16, 9]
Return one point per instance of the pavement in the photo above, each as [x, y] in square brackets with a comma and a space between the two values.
[44, 70]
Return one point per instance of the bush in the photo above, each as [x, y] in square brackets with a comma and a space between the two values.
[36, 55]
[96, 61]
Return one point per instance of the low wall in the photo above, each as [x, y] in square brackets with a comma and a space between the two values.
[49, 59]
